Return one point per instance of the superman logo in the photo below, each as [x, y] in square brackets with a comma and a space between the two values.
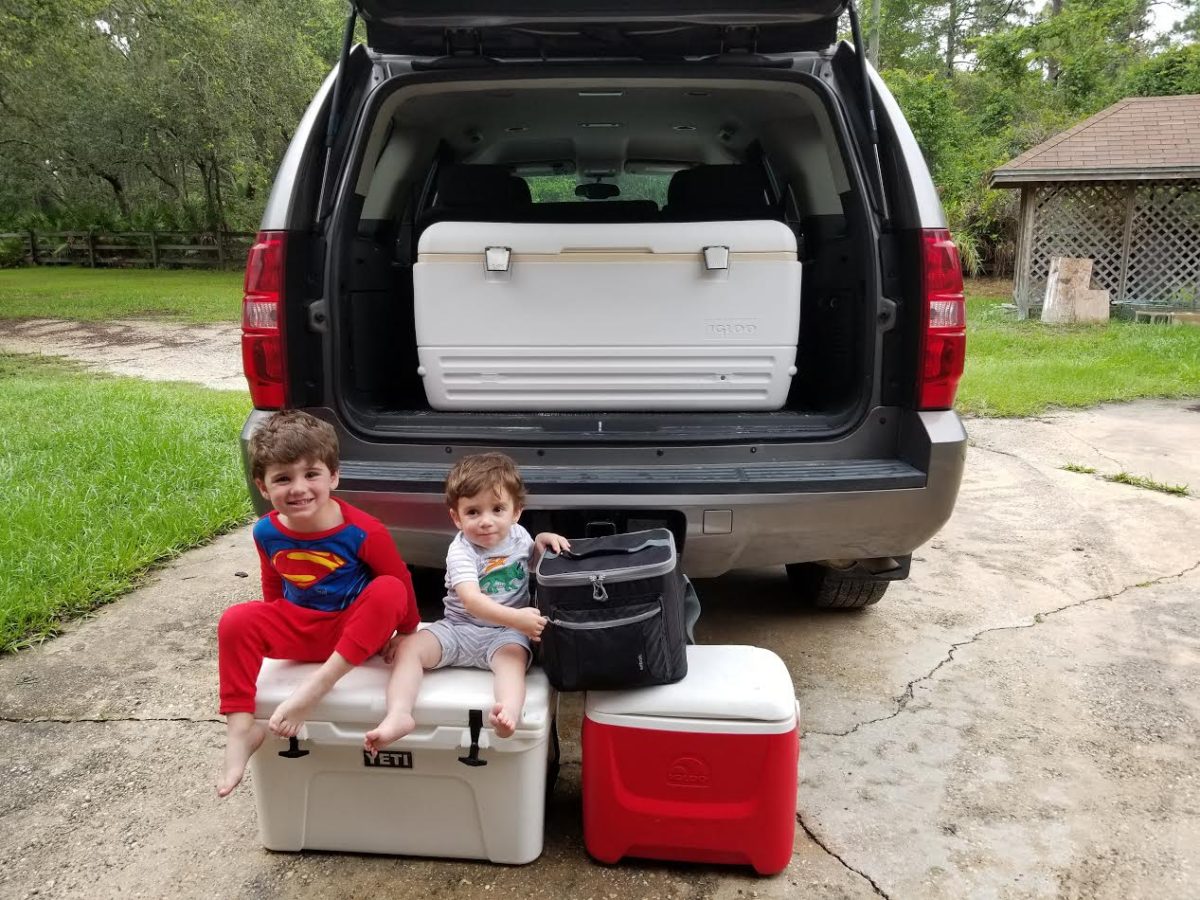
[304, 568]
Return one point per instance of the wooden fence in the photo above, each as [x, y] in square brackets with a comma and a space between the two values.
[134, 249]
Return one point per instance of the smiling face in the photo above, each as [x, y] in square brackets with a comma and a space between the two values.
[301, 492]
[487, 517]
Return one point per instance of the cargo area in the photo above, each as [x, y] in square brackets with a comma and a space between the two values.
[679, 255]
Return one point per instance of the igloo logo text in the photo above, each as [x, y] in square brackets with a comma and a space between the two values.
[688, 771]
[731, 328]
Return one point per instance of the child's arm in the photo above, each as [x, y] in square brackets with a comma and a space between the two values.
[526, 620]
[547, 540]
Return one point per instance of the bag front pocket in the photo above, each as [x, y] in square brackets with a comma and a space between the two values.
[607, 647]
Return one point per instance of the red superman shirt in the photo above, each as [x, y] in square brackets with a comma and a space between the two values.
[326, 570]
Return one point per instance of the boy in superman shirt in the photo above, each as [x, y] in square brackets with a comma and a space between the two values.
[334, 586]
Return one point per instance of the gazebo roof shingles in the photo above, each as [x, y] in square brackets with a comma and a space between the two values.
[1138, 136]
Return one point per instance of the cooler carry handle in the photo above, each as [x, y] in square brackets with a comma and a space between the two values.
[612, 551]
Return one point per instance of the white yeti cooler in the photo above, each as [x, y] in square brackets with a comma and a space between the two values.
[646, 316]
[417, 798]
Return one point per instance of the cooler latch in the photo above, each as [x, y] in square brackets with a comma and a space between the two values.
[716, 258]
[497, 259]
[475, 722]
[293, 751]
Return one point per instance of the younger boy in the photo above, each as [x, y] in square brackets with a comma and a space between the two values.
[489, 622]
[334, 587]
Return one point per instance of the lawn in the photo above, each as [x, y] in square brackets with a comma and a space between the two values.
[123, 474]
[74, 293]
[1023, 368]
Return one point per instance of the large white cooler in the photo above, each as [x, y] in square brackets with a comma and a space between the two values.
[416, 798]
[645, 316]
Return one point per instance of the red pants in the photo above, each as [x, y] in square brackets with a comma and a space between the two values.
[250, 632]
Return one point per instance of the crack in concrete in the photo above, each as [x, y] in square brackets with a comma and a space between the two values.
[907, 696]
[9, 720]
[816, 840]
[1096, 450]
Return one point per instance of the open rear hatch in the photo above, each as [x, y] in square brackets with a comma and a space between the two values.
[529, 392]
[543, 29]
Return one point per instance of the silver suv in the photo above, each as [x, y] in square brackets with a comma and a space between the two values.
[602, 133]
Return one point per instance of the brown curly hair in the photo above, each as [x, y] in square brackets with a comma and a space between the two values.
[475, 474]
[290, 436]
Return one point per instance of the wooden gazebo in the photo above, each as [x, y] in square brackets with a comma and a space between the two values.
[1121, 188]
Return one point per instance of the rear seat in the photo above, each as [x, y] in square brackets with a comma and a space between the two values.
[594, 211]
[718, 193]
[478, 194]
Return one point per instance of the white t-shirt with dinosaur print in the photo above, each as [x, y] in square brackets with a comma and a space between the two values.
[501, 572]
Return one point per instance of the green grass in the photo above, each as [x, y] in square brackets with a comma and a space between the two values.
[1023, 368]
[119, 475]
[1140, 481]
[73, 293]
[1149, 484]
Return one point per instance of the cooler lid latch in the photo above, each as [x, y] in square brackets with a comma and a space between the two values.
[475, 723]
[716, 258]
[293, 751]
[497, 259]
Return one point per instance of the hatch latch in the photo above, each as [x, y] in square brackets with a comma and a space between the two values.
[462, 42]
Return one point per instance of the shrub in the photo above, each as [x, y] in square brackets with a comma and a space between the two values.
[12, 252]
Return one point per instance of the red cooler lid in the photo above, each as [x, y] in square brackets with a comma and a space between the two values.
[734, 688]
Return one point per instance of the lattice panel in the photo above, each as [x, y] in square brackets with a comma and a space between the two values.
[1164, 248]
[1081, 220]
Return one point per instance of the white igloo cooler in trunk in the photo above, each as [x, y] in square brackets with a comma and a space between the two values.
[418, 798]
[622, 317]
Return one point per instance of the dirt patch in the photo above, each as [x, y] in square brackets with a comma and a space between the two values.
[143, 348]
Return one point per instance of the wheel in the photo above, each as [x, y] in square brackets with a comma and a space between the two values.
[827, 588]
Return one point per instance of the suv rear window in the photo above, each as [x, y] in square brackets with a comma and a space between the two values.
[561, 188]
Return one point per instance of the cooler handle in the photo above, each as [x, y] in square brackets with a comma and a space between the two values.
[439, 737]
[611, 551]
[442, 736]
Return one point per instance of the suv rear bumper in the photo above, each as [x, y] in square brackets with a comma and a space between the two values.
[736, 516]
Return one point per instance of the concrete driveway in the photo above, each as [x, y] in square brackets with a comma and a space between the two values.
[1020, 719]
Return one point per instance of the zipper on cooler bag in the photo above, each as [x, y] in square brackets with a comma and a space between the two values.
[599, 592]
[611, 623]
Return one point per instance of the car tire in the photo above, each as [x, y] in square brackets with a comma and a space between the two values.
[826, 588]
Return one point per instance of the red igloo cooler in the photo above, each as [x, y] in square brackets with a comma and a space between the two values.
[703, 770]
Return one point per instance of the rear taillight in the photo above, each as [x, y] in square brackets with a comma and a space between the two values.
[262, 322]
[943, 319]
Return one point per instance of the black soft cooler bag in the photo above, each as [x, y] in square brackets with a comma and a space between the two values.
[616, 611]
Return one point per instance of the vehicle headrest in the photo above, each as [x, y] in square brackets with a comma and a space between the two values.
[715, 191]
[480, 187]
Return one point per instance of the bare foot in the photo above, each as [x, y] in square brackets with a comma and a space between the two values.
[393, 727]
[503, 721]
[293, 712]
[240, 745]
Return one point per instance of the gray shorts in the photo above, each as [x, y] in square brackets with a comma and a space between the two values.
[465, 644]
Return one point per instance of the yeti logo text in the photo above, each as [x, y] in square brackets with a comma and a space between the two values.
[388, 759]
[688, 771]
[731, 328]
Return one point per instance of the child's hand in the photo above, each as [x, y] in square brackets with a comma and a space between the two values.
[530, 623]
[550, 540]
[388, 653]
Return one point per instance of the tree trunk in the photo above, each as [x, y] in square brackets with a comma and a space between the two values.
[118, 192]
[209, 204]
[1052, 69]
[951, 36]
[216, 177]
